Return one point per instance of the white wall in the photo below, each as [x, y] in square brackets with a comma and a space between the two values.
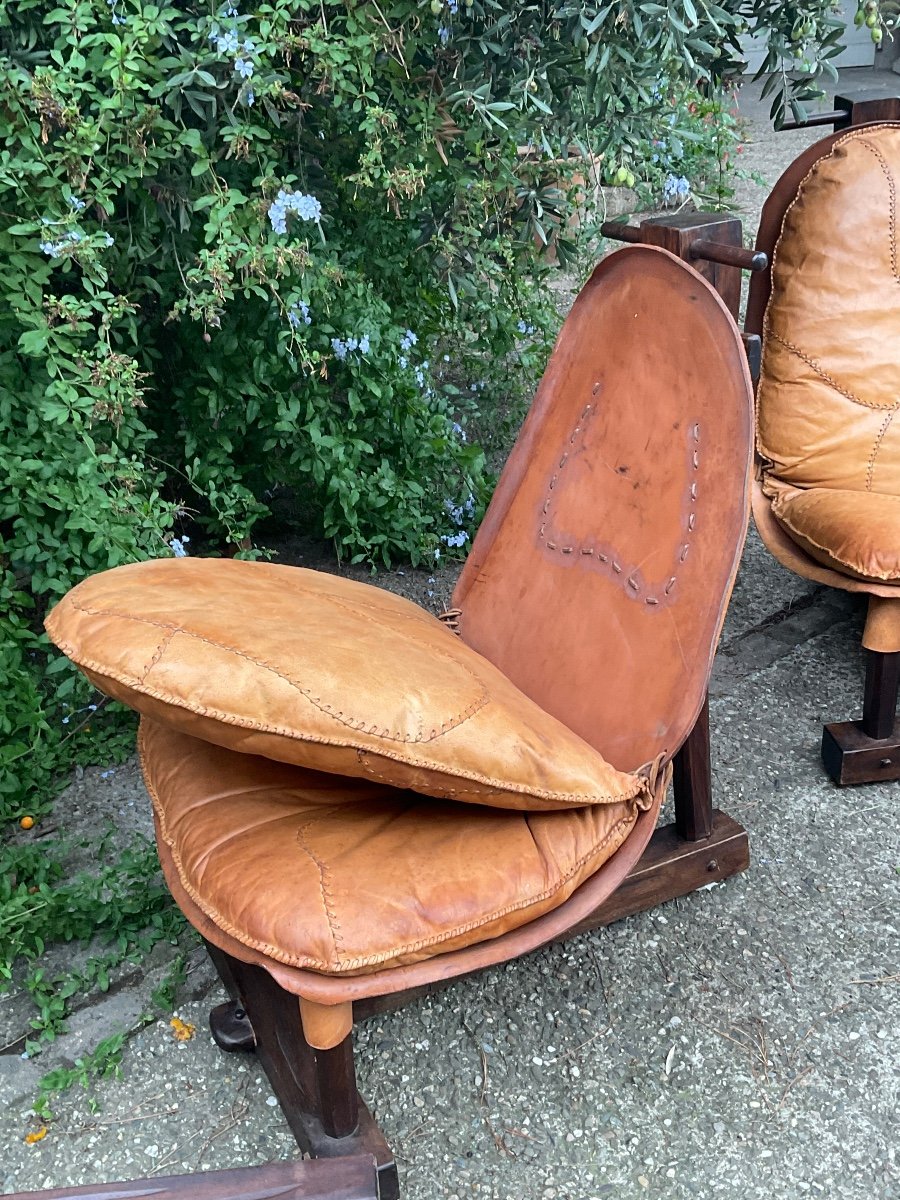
[859, 52]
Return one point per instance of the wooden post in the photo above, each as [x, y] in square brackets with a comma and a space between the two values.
[692, 782]
[880, 703]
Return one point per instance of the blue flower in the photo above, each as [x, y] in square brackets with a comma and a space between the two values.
[444, 34]
[250, 98]
[77, 204]
[248, 46]
[306, 207]
[675, 188]
[454, 540]
[344, 346]
[243, 67]
[227, 43]
[408, 340]
[403, 361]
[177, 546]
[524, 328]
[299, 314]
[458, 430]
[108, 239]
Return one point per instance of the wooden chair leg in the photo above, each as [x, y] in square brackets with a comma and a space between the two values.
[868, 751]
[692, 783]
[315, 1088]
[880, 702]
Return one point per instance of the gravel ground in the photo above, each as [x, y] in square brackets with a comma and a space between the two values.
[742, 1042]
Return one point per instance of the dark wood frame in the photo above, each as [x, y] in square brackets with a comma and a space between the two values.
[339, 1179]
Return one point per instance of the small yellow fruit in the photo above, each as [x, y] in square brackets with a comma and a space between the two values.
[27, 822]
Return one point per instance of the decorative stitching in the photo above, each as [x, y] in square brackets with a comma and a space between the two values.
[631, 586]
[823, 374]
[327, 904]
[576, 800]
[892, 217]
[294, 735]
[853, 568]
[160, 650]
[870, 470]
[453, 722]
[310, 963]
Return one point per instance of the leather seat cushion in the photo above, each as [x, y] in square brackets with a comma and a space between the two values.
[345, 876]
[323, 672]
[829, 387]
[856, 533]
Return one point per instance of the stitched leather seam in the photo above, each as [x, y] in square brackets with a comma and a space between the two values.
[160, 651]
[293, 735]
[829, 379]
[576, 799]
[627, 575]
[870, 469]
[892, 212]
[831, 553]
[324, 886]
[453, 722]
[310, 963]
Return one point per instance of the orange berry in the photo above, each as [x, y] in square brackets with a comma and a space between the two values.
[27, 822]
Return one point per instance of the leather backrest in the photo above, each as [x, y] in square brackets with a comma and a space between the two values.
[599, 579]
[829, 387]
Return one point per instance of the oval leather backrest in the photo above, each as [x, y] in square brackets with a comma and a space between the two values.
[829, 387]
[599, 579]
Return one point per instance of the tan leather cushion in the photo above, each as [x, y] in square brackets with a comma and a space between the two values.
[857, 533]
[346, 876]
[829, 388]
[327, 673]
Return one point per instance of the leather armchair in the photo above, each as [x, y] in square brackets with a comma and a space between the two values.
[826, 499]
[596, 586]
